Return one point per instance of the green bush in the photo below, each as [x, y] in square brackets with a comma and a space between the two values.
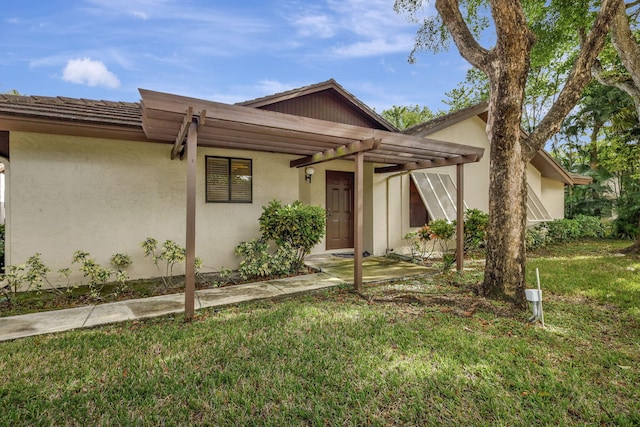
[297, 226]
[590, 226]
[476, 224]
[171, 254]
[565, 230]
[294, 228]
[259, 262]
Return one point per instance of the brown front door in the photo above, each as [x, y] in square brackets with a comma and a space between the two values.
[339, 210]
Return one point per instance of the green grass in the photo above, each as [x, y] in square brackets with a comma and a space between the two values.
[410, 353]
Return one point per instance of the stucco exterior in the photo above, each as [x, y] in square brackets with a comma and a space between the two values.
[106, 196]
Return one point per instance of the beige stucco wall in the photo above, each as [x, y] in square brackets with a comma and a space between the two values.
[552, 195]
[106, 196]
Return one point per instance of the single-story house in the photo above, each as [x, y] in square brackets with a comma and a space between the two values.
[101, 176]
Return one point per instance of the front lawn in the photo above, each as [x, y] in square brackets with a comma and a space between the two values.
[413, 353]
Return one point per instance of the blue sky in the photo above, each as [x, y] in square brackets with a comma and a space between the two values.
[226, 51]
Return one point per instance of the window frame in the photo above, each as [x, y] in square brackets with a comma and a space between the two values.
[229, 180]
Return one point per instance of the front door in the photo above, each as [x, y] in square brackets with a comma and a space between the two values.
[339, 210]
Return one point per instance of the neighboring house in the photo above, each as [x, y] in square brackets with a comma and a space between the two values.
[431, 194]
[102, 176]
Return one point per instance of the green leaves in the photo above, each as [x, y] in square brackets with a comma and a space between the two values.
[295, 229]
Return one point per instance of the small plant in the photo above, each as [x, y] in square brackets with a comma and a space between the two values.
[418, 243]
[121, 262]
[32, 275]
[224, 276]
[96, 274]
[171, 254]
[257, 260]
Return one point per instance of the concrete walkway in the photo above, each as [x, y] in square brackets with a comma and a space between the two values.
[334, 271]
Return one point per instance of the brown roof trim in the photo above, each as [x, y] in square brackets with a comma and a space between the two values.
[550, 168]
[442, 122]
[580, 179]
[319, 87]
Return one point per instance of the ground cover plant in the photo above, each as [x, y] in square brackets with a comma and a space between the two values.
[417, 352]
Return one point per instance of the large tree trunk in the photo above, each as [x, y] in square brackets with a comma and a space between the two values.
[504, 273]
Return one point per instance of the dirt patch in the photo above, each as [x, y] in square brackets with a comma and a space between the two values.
[459, 304]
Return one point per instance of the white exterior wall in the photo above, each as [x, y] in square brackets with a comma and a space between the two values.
[552, 195]
[105, 196]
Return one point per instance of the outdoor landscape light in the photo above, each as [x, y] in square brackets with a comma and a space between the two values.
[308, 173]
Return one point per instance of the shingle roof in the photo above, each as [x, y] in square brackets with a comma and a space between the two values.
[128, 114]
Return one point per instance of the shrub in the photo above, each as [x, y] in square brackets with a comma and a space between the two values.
[476, 224]
[565, 230]
[96, 274]
[296, 226]
[590, 226]
[536, 237]
[259, 262]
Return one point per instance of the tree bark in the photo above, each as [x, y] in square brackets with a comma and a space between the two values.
[505, 267]
[506, 65]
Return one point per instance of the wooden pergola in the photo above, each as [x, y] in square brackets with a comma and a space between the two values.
[190, 122]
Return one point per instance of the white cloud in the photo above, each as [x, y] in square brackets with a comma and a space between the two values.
[366, 27]
[89, 72]
[312, 25]
[141, 15]
[378, 46]
[270, 87]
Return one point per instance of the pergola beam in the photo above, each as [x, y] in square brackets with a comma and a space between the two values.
[182, 133]
[426, 164]
[337, 153]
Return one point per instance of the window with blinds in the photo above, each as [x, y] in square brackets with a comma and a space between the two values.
[228, 180]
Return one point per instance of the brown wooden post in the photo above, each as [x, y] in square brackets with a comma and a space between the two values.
[190, 276]
[357, 223]
[460, 217]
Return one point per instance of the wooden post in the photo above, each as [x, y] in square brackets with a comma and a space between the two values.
[357, 223]
[190, 276]
[459, 217]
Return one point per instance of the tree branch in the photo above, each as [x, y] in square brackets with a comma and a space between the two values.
[624, 42]
[578, 78]
[468, 46]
